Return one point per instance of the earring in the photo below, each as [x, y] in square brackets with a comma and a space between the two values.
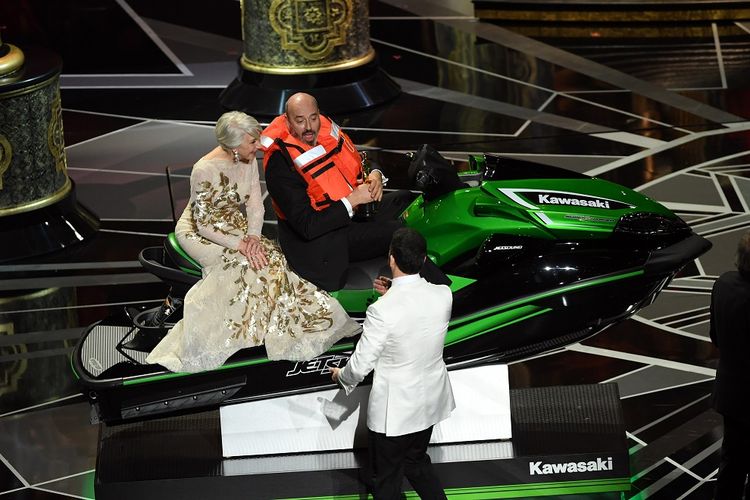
[236, 156]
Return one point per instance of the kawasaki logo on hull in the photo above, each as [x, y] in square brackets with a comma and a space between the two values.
[533, 198]
[548, 199]
[540, 468]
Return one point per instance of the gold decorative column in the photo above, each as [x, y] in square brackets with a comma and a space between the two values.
[317, 46]
[305, 36]
[38, 212]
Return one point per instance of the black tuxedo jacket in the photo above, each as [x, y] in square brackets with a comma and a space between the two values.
[314, 242]
[730, 332]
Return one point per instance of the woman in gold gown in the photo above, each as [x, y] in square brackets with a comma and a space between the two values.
[247, 295]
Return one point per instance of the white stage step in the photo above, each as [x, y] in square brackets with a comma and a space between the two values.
[329, 420]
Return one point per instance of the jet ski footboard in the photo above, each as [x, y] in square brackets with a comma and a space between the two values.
[158, 402]
[101, 348]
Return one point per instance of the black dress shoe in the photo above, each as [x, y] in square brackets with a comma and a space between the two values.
[167, 309]
[145, 339]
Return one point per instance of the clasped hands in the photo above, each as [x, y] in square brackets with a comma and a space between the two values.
[369, 190]
[253, 250]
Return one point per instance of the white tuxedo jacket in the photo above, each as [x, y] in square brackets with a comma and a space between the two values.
[402, 341]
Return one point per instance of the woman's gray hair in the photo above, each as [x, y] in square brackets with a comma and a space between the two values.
[232, 126]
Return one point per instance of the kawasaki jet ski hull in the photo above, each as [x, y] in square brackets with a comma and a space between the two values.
[537, 263]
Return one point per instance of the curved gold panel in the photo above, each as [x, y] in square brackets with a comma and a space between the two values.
[55, 139]
[312, 28]
[31, 121]
[39, 203]
[276, 70]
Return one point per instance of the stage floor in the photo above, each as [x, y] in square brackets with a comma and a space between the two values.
[666, 112]
[181, 456]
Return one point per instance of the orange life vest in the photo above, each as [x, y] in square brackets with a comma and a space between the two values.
[330, 168]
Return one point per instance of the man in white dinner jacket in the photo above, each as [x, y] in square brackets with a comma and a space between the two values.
[402, 340]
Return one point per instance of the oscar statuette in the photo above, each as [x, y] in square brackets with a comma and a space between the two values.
[365, 211]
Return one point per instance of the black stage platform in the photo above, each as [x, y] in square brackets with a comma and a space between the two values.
[536, 90]
[566, 440]
[607, 11]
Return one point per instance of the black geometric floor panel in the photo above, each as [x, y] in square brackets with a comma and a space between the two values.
[666, 112]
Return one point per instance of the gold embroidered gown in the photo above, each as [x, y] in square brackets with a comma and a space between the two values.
[233, 306]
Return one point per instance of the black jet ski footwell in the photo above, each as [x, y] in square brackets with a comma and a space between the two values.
[566, 440]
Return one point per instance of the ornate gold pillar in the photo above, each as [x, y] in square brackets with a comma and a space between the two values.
[316, 46]
[38, 212]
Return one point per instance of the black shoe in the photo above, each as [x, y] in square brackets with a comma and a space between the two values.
[145, 339]
[165, 311]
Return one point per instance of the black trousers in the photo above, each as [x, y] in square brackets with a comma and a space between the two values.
[371, 239]
[734, 470]
[392, 458]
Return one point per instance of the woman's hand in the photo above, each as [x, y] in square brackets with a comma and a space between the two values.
[252, 249]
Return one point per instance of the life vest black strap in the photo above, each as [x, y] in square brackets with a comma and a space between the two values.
[326, 156]
[289, 145]
[325, 202]
[322, 169]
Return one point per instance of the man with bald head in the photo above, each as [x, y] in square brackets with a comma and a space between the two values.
[314, 177]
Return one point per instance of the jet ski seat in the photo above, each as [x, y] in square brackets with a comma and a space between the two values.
[177, 255]
[360, 275]
[173, 265]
